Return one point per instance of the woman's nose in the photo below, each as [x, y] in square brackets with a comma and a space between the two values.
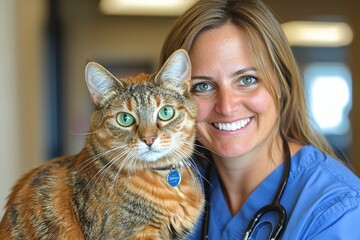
[226, 103]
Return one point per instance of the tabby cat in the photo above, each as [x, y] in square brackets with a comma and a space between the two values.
[134, 178]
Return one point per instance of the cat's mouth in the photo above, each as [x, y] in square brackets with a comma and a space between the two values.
[233, 125]
[151, 154]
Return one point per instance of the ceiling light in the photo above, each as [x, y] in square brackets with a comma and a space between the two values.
[318, 34]
[145, 7]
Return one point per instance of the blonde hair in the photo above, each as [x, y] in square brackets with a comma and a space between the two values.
[272, 55]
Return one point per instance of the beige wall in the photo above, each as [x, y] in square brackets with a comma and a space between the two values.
[89, 35]
[9, 159]
[21, 25]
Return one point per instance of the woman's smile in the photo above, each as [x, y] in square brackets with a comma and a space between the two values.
[232, 126]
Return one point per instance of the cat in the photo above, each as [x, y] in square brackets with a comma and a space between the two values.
[134, 178]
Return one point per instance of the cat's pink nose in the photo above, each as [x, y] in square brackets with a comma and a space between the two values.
[148, 140]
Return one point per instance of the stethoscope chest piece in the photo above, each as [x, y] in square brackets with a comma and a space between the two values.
[276, 232]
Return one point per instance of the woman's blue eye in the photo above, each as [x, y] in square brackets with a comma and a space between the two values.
[202, 87]
[248, 80]
[166, 113]
[125, 119]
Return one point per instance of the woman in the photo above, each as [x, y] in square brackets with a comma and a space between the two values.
[252, 114]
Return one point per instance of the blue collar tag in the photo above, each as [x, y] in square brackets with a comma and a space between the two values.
[174, 178]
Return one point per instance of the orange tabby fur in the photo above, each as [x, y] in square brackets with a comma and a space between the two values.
[104, 192]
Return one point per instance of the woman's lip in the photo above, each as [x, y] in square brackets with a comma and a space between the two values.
[232, 126]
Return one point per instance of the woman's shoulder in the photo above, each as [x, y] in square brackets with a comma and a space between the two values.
[324, 180]
[327, 195]
[311, 162]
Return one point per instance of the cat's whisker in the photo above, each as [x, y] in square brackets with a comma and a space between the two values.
[132, 163]
[194, 166]
[94, 177]
[115, 160]
[81, 134]
[190, 165]
[106, 166]
[96, 157]
[198, 153]
[201, 154]
[125, 162]
[201, 146]
[121, 165]
[86, 163]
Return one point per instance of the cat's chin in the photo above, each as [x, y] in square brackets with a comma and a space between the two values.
[152, 156]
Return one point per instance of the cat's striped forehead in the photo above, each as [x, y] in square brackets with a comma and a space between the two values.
[150, 93]
[143, 94]
[141, 78]
[144, 86]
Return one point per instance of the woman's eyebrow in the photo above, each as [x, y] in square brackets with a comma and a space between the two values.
[245, 70]
[201, 78]
[239, 72]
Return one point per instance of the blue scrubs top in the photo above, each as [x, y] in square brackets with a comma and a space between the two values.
[322, 201]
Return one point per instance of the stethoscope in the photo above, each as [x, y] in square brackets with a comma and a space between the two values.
[275, 206]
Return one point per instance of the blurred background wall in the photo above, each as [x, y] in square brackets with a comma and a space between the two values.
[21, 92]
[45, 45]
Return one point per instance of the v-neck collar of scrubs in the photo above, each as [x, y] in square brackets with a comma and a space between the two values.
[233, 227]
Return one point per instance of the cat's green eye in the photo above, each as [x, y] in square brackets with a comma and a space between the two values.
[125, 119]
[166, 113]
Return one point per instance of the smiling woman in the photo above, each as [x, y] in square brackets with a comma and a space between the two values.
[258, 145]
[235, 94]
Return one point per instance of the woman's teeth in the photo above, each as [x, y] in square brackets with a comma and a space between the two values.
[232, 126]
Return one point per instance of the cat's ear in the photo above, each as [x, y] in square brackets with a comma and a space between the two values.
[101, 83]
[176, 70]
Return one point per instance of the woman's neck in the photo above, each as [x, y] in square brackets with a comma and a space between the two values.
[242, 175]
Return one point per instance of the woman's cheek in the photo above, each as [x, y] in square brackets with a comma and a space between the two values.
[260, 101]
[204, 109]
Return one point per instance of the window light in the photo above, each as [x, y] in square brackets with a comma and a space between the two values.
[145, 7]
[318, 34]
[329, 90]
